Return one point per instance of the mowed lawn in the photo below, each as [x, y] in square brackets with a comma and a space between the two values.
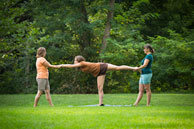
[166, 111]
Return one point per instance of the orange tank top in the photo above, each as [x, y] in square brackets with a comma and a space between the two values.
[42, 71]
[93, 68]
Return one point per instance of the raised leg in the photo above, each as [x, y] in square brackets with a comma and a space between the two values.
[122, 67]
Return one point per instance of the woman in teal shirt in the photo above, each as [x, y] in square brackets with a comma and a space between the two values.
[146, 74]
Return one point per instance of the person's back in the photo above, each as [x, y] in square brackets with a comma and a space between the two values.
[88, 67]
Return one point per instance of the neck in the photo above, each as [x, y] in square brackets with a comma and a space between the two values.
[148, 53]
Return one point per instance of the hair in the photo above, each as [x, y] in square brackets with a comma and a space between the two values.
[40, 52]
[80, 58]
[148, 46]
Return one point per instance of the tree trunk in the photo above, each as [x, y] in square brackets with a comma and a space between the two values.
[85, 38]
[27, 66]
[108, 26]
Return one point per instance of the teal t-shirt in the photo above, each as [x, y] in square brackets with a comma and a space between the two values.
[147, 69]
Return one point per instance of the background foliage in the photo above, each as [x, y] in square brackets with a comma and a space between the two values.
[76, 27]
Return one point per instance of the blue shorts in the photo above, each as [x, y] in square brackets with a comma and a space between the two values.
[145, 78]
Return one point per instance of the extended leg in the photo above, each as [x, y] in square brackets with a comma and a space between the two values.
[122, 67]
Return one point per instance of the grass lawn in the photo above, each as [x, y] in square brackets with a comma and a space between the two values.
[166, 111]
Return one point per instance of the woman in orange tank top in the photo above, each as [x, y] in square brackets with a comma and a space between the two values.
[97, 70]
[42, 66]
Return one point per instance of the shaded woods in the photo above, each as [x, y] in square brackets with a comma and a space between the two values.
[114, 31]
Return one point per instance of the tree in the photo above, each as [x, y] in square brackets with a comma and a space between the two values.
[108, 25]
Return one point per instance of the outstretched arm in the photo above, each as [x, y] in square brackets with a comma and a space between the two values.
[71, 65]
[47, 64]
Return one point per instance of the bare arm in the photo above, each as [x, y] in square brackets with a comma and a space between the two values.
[146, 61]
[71, 65]
[47, 64]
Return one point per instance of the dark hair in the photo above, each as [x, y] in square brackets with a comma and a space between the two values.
[148, 46]
[80, 58]
[40, 52]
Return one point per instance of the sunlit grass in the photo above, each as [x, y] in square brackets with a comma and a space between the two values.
[166, 111]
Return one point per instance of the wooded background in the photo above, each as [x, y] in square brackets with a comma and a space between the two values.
[112, 31]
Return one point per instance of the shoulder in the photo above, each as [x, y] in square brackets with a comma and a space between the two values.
[41, 59]
[84, 63]
[149, 56]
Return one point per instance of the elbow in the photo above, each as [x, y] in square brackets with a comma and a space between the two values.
[143, 66]
[50, 66]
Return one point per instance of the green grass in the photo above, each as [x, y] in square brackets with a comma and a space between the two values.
[166, 111]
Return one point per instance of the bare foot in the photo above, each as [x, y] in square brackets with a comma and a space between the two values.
[100, 104]
[135, 104]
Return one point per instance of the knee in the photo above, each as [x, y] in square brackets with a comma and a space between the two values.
[148, 90]
[116, 68]
[141, 90]
[100, 89]
[38, 95]
[47, 92]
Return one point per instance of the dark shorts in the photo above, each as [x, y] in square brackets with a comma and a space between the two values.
[103, 69]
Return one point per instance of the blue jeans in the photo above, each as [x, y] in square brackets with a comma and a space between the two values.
[145, 78]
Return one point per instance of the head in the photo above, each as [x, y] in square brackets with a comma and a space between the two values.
[79, 59]
[148, 48]
[41, 52]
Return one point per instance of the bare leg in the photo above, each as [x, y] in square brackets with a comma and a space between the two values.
[48, 97]
[148, 92]
[140, 95]
[122, 67]
[37, 97]
[100, 83]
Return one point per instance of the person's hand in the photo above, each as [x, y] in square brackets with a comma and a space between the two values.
[135, 68]
[139, 70]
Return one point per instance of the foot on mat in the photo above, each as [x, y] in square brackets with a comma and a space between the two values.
[101, 105]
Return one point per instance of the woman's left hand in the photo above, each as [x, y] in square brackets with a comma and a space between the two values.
[136, 68]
